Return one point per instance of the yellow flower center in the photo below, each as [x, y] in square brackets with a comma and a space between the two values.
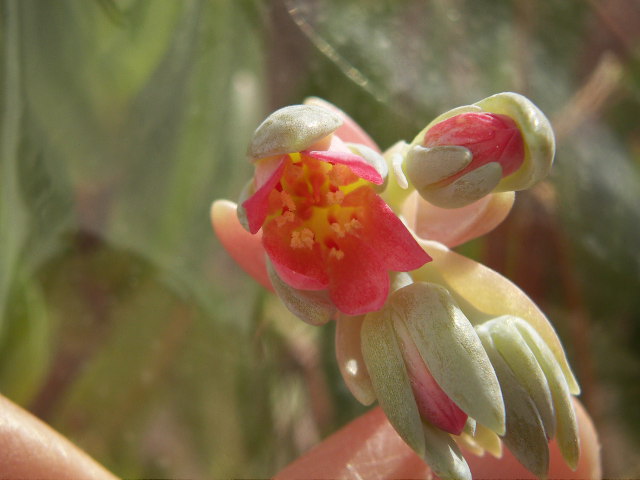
[309, 204]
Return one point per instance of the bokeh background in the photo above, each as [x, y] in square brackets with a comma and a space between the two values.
[125, 325]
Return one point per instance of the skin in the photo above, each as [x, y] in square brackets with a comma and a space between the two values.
[366, 448]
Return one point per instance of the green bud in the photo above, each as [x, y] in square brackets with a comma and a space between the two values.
[525, 434]
[567, 426]
[443, 455]
[313, 307]
[525, 367]
[292, 129]
[449, 346]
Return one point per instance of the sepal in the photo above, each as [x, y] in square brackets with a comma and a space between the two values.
[311, 306]
[292, 129]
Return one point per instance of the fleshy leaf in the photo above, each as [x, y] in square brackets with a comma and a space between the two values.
[567, 427]
[452, 351]
[525, 435]
[467, 189]
[350, 360]
[389, 377]
[292, 129]
[428, 165]
[484, 294]
[313, 307]
[434, 404]
[443, 455]
[525, 367]
[245, 248]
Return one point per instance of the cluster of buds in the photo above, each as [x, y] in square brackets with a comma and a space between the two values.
[454, 353]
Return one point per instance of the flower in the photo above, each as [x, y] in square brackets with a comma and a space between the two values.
[324, 227]
[502, 143]
[454, 353]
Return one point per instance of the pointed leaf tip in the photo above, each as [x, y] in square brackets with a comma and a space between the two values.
[451, 350]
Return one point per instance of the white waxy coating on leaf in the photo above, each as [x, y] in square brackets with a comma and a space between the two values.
[467, 189]
[390, 379]
[292, 129]
[428, 165]
[525, 435]
[525, 367]
[484, 294]
[567, 426]
[449, 346]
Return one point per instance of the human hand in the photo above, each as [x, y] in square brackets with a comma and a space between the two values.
[31, 449]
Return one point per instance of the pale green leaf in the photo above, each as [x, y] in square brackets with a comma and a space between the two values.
[450, 348]
[390, 380]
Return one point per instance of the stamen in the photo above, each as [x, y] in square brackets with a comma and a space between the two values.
[335, 198]
[287, 216]
[337, 228]
[302, 239]
[287, 201]
[335, 253]
[351, 225]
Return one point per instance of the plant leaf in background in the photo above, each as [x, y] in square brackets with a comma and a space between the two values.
[122, 120]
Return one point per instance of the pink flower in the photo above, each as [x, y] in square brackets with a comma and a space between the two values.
[488, 136]
[500, 144]
[323, 225]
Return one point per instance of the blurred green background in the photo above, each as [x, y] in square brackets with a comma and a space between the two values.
[126, 326]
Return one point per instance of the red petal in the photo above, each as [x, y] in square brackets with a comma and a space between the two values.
[349, 131]
[257, 205]
[301, 268]
[359, 283]
[244, 248]
[434, 405]
[356, 163]
[392, 241]
[490, 137]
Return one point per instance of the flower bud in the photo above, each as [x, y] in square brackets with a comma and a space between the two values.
[501, 143]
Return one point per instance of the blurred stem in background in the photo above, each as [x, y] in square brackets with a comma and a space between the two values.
[123, 323]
